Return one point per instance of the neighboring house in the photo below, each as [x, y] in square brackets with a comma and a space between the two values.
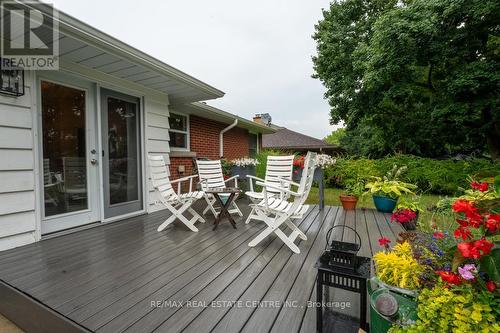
[198, 130]
[73, 147]
[286, 139]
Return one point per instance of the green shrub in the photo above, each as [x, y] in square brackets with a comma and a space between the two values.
[430, 175]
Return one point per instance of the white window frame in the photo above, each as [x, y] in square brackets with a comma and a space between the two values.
[187, 132]
[257, 148]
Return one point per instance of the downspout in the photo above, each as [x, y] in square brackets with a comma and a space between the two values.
[221, 136]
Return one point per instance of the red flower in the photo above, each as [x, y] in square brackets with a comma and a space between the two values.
[449, 277]
[468, 250]
[491, 286]
[464, 206]
[462, 232]
[484, 246]
[384, 241]
[493, 222]
[403, 215]
[438, 234]
[475, 249]
[483, 187]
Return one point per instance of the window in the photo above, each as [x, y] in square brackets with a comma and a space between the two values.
[253, 143]
[179, 131]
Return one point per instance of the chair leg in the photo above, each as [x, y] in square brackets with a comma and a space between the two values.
[177, 214]
[189, 223]
[210, 206]
[195, 214]
[273, 226]
[294, 228]
[250, 216]
[237, 209]
[168, 221]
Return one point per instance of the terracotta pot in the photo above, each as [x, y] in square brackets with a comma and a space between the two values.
[348, 201]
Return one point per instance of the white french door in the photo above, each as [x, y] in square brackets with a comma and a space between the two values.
[69, 154]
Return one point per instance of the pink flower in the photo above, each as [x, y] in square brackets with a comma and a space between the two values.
[467, 271]
[438, 235]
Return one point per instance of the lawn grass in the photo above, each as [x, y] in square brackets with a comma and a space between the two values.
[426, 218]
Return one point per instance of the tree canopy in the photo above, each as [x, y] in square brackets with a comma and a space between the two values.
[335, 137]
[414, 76]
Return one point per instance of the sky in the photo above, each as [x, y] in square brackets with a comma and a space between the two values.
[258, 52]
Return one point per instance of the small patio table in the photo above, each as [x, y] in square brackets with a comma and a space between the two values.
[224, 206]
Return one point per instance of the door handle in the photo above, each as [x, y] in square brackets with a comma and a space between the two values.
[93, 161]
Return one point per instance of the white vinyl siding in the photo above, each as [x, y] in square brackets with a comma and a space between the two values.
[17, 178]
[157, 133]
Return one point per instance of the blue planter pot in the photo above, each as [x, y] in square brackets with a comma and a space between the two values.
[384, 204]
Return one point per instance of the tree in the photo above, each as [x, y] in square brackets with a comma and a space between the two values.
[334, 137]
[422, 76]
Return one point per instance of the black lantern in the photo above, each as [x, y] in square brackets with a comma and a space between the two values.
[12, 81]
[342, 254]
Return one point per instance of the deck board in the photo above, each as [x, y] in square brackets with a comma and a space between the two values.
[104, 278]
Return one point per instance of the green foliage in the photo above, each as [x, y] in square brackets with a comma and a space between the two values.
[412, 203]
[417, 77]
[491, 265]
[430, 175]
[461, 310]
[335, 137]
[398, 267]
[390, 188]
[355, 189]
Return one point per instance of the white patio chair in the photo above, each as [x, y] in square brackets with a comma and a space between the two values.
[275, 211]
[277, 167]
[175, 202]
[210, 174]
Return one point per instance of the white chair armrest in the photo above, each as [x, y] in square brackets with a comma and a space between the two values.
[251, 178]
[179, 181]
[256, 178]
[283, 180]
[235, 178]
[284, 190]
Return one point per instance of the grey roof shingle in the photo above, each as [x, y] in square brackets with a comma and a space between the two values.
[288, 139]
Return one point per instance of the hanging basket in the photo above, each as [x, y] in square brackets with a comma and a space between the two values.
[342, 254]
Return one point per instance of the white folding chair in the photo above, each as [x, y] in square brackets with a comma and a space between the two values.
[275, 211]
[210, 174]
[277, 167]
[175, 202]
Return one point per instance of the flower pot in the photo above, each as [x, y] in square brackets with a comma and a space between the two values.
[243, 171]
[411, 225]
[384, 204]
[297, 174]
[348, 201]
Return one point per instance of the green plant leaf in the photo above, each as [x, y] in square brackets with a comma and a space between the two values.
[458, 259]
[491, 264]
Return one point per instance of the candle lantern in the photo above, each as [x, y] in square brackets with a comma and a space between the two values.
[12, 81]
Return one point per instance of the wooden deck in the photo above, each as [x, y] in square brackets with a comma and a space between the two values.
[126, 276]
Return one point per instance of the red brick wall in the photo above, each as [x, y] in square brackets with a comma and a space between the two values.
[174, 167]
[204, 141]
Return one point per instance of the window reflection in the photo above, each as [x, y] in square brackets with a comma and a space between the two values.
[64, 162]
[123, 151]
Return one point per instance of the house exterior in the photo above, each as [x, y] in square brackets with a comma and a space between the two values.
[286, 139]
[74, 145]
[203, 131]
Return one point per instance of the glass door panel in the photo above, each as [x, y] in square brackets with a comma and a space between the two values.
[121, 154]
[69, 159]
[64, 149]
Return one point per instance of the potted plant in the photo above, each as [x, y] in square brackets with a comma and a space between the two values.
[352, 192]
[243, 167]
[407, 212]
[386, 191]
[298, 165]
